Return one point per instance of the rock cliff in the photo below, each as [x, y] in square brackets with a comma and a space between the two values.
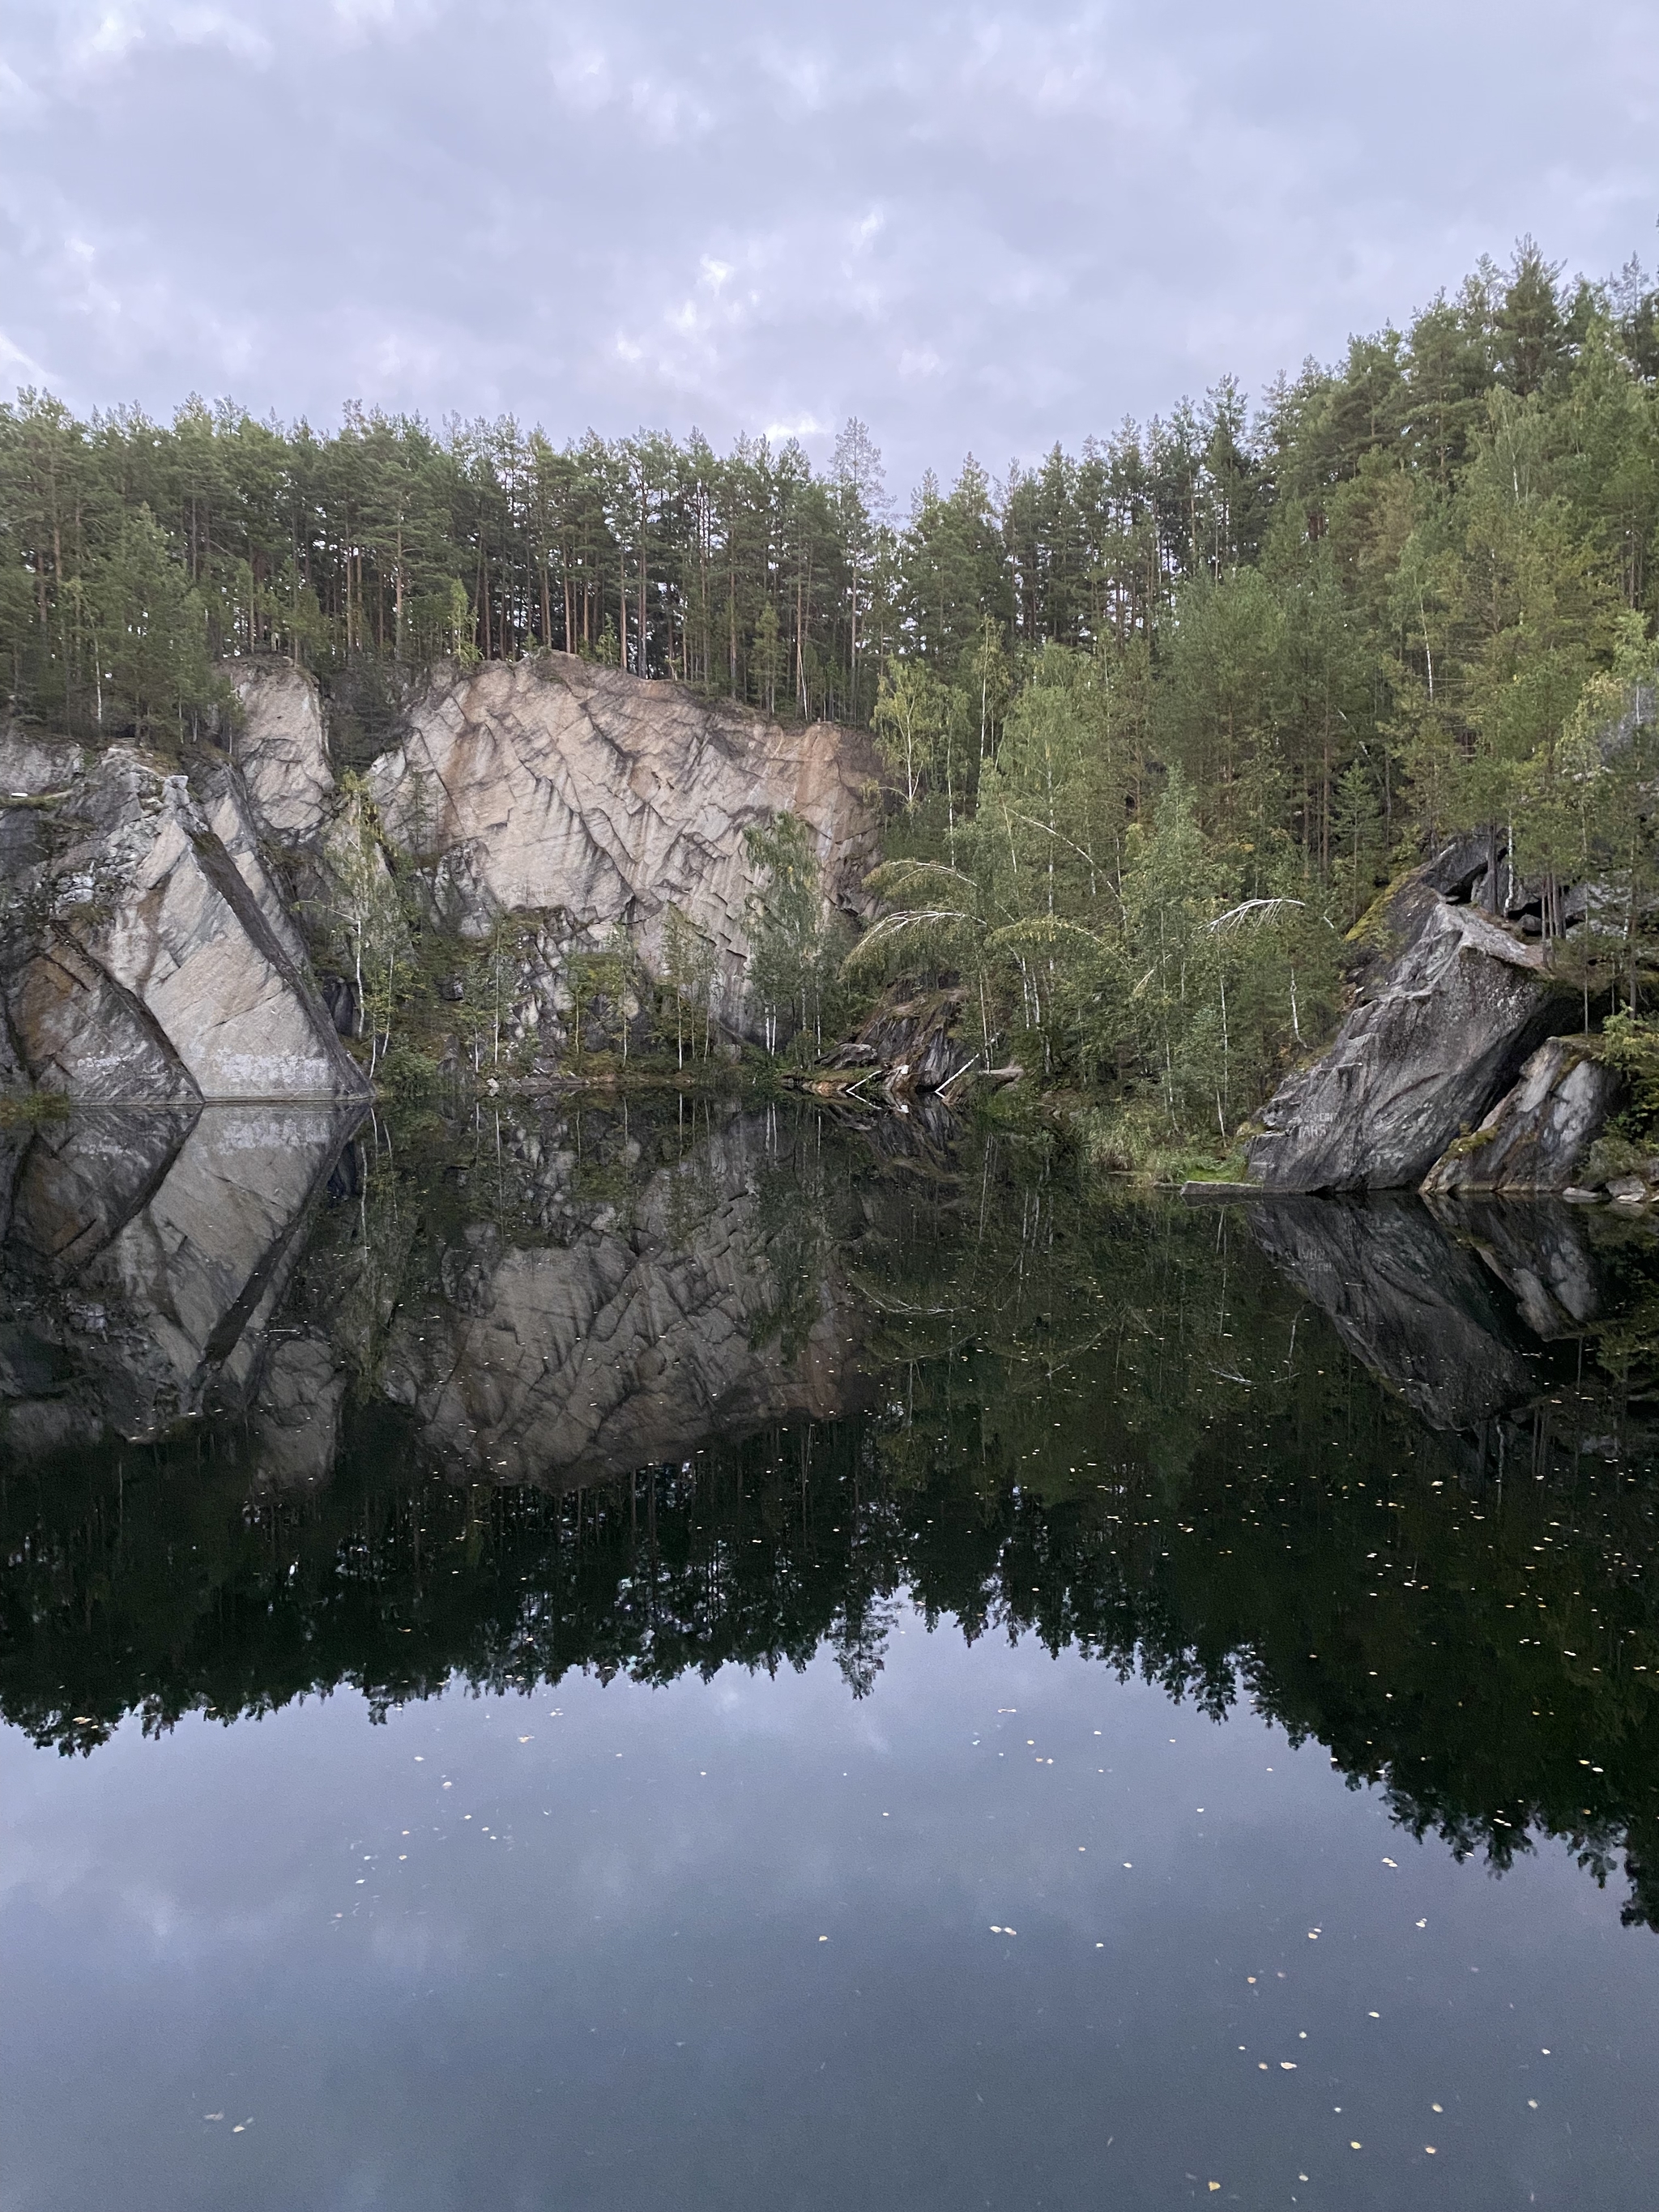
[1436, 1034]
[149, 944]
[553, 788]
[1535, 1137]
[145, 952]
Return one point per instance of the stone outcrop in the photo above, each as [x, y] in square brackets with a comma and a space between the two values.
[152, 945]
[1437, 1034]
[551, 787]
[280, 748]
[907, 1043]
[147, 953]
[1536, 1136]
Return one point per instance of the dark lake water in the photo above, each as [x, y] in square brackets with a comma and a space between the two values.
[643, 1659]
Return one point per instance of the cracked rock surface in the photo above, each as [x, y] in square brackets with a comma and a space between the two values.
[552, 785]
[1423, 1055]
[1535, 1137]
[147, 955]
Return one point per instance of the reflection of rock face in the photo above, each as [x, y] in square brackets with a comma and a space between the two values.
[1423, 1057]
[296, 1415]
[1534, 1136]
[553, 785]
[150, 958]
[622, 1348]
[1541, 1253]
[1405, 1299]
[149, 1251]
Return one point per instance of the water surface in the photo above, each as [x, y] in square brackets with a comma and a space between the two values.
[617, 1659]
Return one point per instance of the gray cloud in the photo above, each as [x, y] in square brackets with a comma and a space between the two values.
[987, 227]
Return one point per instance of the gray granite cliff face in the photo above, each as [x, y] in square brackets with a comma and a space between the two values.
[150, 940]
[280, 751]
[1536, 1136]
[1429, 1046]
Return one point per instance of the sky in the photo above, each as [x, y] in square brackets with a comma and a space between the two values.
[977, 228]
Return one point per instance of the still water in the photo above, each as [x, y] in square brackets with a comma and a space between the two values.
[619, 1659]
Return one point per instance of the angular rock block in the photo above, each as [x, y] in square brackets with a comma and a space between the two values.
[549, 784]
[1535, 1135]
[280, 751]
[1422, 1055]
[156, 966]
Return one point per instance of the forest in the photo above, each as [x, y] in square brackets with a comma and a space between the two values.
[1163, 715]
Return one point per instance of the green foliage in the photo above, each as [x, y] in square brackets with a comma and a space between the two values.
[408, 1076]
[1629, 1042]
[1216, 662]
[795, 946]
[32, 1110]
[362, 918]
[688, 981]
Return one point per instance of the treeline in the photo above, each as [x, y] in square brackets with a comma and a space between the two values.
[164, 549]
[1165, 712]
[1416, 598]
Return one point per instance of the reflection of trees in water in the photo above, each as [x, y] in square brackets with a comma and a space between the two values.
[1115, 1428]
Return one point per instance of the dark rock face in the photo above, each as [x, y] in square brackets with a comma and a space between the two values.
[1424, 1052]
[1535, 1137]
[1405, 1298]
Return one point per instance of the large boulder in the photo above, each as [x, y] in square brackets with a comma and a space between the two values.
[146, 955]
[1535, 1137]
[1434, 1037]
[550, 787]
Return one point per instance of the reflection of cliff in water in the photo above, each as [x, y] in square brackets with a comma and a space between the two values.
[144, 1255]
[1451, 1304]
[1114, 1426]
[552, 1298]
[650, 1320]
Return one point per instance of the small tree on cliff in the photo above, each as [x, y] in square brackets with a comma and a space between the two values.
[363, 917]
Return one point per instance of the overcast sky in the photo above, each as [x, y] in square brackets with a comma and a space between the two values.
[984, 227]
